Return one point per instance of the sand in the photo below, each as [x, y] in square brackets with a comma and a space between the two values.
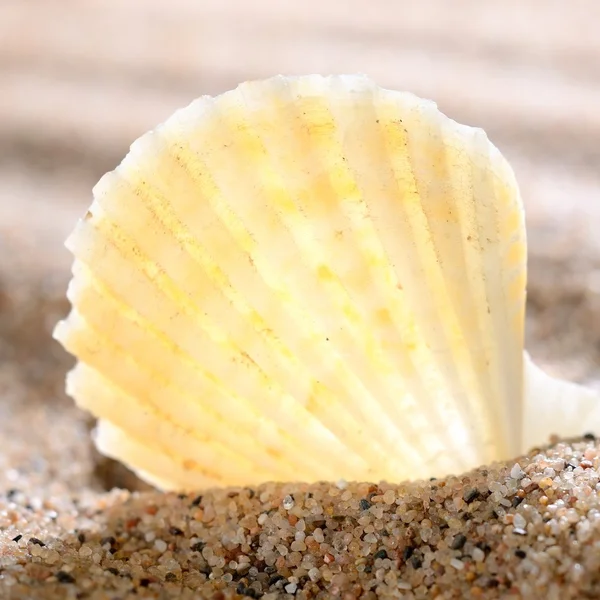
[526, 530]
[75, 94]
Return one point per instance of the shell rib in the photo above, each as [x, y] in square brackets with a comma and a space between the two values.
[305, 278]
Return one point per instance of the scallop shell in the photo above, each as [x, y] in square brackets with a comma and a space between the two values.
[308, 278]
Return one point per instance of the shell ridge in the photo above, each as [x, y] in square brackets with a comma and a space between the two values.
[450, 209]
[161, 439]
[358, 125]
[437, 215]
[458, 268]
[230, 408]
[302, 112]
[391, 190]
[257, 164]
[460, 370]
[84, 336]
[307, 208]
[357, 447]
[316, 457]
[154, 467]
[354, 213]
[508, 376]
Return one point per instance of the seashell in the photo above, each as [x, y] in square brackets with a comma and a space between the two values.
[309, 278]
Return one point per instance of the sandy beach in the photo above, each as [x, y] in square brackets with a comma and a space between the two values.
[78, 85]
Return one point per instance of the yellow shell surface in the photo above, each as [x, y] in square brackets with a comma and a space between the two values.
[305, 278]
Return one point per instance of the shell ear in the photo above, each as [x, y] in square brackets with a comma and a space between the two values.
[554, 406]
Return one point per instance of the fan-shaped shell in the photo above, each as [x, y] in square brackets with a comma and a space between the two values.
[305, 278]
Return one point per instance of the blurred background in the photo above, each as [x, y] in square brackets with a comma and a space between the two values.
[79, 81]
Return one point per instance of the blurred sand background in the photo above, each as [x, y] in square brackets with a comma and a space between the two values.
[79, 81]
